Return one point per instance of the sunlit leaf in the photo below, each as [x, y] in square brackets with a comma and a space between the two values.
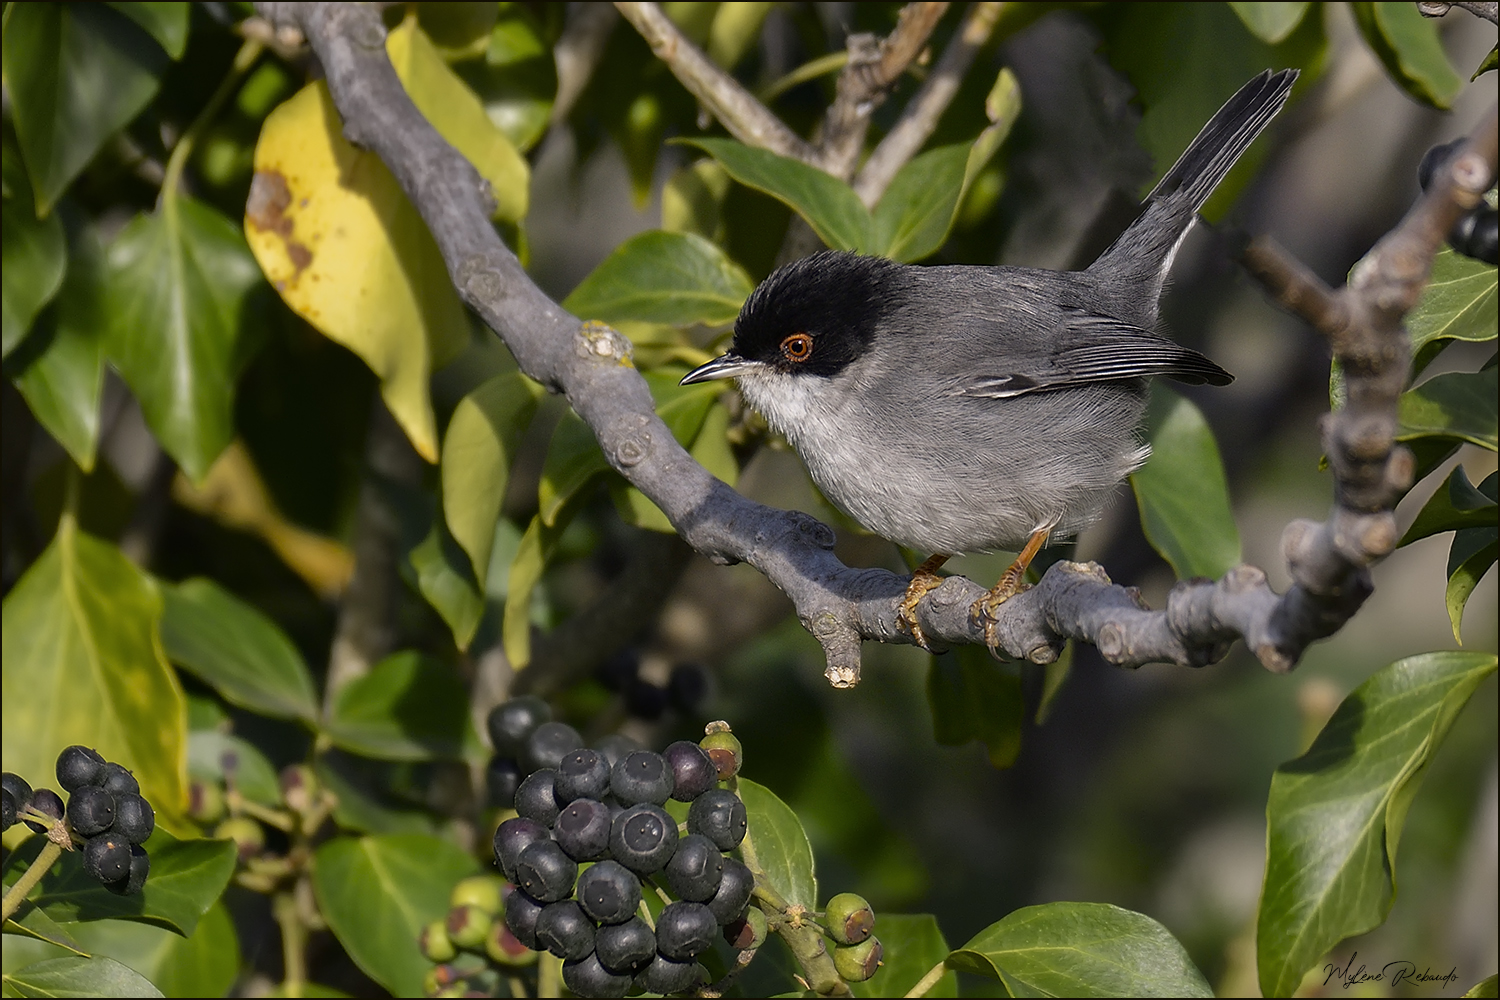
[1461, 405]
[777, 846]
[83, 664]
[661, 277]
[1335, 814]
[1456, 504]
[1473, 552]
[33, 255]
[692, 199]
[1409, 46]
[531, 558]
[734, 31]
[1459, 303]
[573, 460]
[408, 707]
[78, 977]
[1271, 22]
[446, 579]
[220, 757]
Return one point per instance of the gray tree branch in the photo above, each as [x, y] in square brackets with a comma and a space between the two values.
[840, 605]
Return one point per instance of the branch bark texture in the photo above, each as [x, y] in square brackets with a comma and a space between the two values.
[840, 605]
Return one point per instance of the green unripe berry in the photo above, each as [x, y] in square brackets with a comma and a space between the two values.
[857, 962]
[435, 943]
[247, 835]
[482, 891]
[748, 932]
[505, 951]
[723, 748]
[468, 925]
[205, 802]
[850, 919]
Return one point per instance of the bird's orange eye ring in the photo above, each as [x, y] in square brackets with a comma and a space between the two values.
[797, 347]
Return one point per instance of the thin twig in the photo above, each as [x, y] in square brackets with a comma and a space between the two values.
[736, 108]
[928, 981]
[920, 116]
[578, 51]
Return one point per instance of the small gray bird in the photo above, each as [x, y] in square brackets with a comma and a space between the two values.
[960, 409]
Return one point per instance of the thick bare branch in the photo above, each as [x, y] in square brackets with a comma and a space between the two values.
[736, 108]
[1489, 11]
[842, 606]
[920, 116]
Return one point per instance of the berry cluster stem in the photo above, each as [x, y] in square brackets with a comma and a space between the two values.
[18, 892]
[928, 981]
[293, 943]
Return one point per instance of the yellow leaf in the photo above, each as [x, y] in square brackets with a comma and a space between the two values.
[346, 250]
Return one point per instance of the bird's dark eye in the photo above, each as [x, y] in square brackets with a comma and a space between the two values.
[797, 347]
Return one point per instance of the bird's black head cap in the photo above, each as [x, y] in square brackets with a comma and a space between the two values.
[833, 299]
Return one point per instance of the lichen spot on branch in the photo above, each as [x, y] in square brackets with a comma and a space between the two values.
[601, 340]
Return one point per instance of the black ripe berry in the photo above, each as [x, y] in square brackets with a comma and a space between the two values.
[665, 976]
[581, 774]
[48, 803]
[685, 930]
[562, 929]
[728, 904]
[7, 808]
[502, 777]
[512, 723]
[117, 780]
[140, 867]
[642, 776]
[695, 869]
[521, 913]
[78, 766]
[625, 948]
[18, 789]
[582, 830]
[91, 810]
[548, 744]
[513, 837]
[545, 873]
[107, 857]
[535, 798]
[718, 815]
[587, 978]
[609, 893]
[692, 772]
[643, 838]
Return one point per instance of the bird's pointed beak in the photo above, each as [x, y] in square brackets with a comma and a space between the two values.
[724, 366]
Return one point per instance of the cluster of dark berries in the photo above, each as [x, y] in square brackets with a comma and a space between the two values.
[471, 946]
[577, 807]
[1477, 232]
[105, 810]
[684, 690]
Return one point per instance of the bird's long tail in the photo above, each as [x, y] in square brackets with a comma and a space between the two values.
[1145, 251]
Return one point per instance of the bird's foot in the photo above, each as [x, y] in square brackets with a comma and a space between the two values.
[923, 579]
[984, 611]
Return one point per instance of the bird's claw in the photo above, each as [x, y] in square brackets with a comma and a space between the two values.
[985, 611]
[906, 614]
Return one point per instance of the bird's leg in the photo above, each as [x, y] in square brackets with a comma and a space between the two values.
[923, 579]
[983, 610]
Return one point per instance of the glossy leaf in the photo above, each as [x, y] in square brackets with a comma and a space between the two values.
[974, 697]
[33, 255]
[446, 580]
[573, 460]
[777, 846]
[1459, 303]
[1409, 46]
[1491, 61]
[165, 22]
[1181, 491]
[78, 977]
[187, 877]
[827, 204]
[1473, 553]
[1485, 988]
[1456, 504]
[237, 650]
[478, 449]
[181, 325]
[363, 810]
[1460, 405]
[59, 370]
[913, 946]
[377, 893]
[1271, 22]
[408, 707]
[215, 756]
[83, 665]
[661, 277]
[32, 922]
[76, 74]
[1335, 814]
[1081, 950]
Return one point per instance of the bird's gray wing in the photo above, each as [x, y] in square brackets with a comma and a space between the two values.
[1095, 349]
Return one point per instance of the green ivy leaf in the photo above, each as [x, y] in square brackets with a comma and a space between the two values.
[31, 922]
[254, 776]
[1271, 22]
[33, 255]
[517, 79]
[974, 697]
[237, 650]
[59, 370]
[445, 578]
[1181, 491]
[1335, 814]
[777, 846]
[362, 809]
[165, 22]
[827, 204]
[1455, 505]
[77, 73]
[532, 556]
[1409, 46]
[408, 707]
[1459, 303]
[1081, 950]
[913, 946]
[573, 460]
[78, 977]
[478, 449]
[178, 331]
[692, 200]
[1490, 62]
[377, 894]
[1460, 405]
[662, 277]
[1486, 987]
[1473, 553]
[83, 665]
